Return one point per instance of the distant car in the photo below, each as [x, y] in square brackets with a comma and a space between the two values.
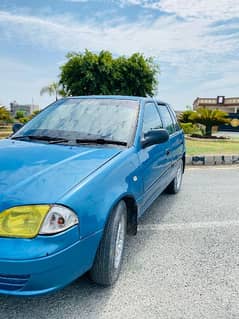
[75, 180]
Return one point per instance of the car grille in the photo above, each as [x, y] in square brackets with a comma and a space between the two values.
[13, 282]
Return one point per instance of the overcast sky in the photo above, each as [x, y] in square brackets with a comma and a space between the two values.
[195, 41]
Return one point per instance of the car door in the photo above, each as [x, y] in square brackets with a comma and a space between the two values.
[176, 139]
[155, 160]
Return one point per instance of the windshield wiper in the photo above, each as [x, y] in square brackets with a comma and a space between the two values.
[100, 141]
[51, 140]
[55, 140]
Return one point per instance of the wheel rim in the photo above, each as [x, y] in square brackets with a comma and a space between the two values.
[119, 244]
[179, 176]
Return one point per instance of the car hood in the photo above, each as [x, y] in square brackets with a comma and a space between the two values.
[34, 173]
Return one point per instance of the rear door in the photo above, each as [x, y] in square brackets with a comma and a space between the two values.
[176, 139]
[156, 159]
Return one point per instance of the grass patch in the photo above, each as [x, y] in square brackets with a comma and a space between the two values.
[211, 148]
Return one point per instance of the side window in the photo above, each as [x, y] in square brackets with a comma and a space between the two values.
[175, 121]
[167, 119]
[151, 119]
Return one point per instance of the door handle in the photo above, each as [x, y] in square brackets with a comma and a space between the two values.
[167, 152]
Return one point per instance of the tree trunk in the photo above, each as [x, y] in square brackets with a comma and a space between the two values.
[208, 130]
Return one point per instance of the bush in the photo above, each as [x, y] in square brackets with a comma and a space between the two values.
[24, 120]
[189, 128]
[209, 118]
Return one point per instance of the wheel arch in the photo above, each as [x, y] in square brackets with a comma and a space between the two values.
[132, 212]
[184, 161]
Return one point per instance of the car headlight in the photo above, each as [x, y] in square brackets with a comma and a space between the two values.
[29, 221]
[58, 219]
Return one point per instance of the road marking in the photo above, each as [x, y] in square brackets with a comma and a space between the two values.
[183, 226]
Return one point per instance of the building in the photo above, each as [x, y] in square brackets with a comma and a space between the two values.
[229, 105]
[28, 109]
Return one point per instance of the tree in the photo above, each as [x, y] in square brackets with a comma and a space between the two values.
[209, 118]
[20, 114]
[184, 117]
[52, 89]
[5, 115]
[89, 73]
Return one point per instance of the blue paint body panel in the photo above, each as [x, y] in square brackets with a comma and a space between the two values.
[88, 179]
[29, 172]
[45, 274]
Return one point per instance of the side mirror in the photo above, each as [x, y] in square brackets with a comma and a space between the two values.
[16, 127]
[154, 137]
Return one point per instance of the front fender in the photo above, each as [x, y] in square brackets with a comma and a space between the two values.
[94, 198]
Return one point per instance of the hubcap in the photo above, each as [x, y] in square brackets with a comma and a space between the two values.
[179, 176]
[119, 245]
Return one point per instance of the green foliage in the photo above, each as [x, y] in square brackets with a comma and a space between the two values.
[88, 74]
[20, 114]
[203, 116]
[209, 118]
[189, 128]
[24, 120]
[54, 88]
[5, 115]
[184, 117]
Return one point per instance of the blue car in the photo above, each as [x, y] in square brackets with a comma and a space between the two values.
[73, 183]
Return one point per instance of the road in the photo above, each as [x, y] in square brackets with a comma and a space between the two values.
[183, 264]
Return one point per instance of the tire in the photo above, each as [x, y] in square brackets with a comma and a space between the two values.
[108, 260]
[175, 186]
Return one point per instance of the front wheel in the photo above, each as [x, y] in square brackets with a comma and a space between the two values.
[108, 260]
[175, 185]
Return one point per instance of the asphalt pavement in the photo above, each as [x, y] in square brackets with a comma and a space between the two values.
[184, 262]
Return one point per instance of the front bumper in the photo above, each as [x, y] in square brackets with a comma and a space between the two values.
[42, 275]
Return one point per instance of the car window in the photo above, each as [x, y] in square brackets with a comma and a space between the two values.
[151, 119]
[166, 118]
[174, 118]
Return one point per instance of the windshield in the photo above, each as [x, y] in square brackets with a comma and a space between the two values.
[72, 119]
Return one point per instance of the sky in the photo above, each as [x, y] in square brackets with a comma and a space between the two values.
[196, 43]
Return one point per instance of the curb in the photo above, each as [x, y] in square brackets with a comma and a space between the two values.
[211, 160]
[201, 140]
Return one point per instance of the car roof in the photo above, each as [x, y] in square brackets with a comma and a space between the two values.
[118, 97]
